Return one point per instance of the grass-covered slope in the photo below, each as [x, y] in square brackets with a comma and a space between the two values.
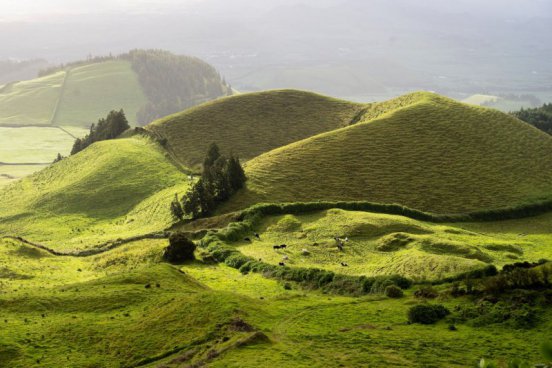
[30, 102]
[421, 150]
[252, 124]
[92, 90]
[112, 189]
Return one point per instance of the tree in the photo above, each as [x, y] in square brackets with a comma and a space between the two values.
[213, 154]
[58, 158]
[109, 128]
[180, 249]
[176, 208]
[236, 175]
[221, 177]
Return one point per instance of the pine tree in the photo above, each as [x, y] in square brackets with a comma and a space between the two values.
[176, 208]
[213, 154]
[236, 174]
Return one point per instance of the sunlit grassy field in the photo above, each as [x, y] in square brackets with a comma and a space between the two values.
[386, 244]
[126, 308]
[113, 189]
[31, 102]
[91, 91]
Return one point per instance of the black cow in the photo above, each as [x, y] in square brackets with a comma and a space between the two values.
[247, 239]
[257, 236]
[281, 264]
[344, 264]
[283, 246]
[276, 247]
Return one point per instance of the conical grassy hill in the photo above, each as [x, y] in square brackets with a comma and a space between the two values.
[421, 150]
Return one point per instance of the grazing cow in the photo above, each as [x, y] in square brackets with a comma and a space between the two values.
[276, 247]
[344, 264]
[305, 252]
[283, 246]
[285, 258]
[247, 239]
[340, 246]
[346, 239]
[281, 264]
[257, 236]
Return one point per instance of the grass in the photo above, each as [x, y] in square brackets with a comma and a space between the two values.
[88, 83]
[387, 244]
[12, 173]
[31, 102]
[35, 144]
[422, 151]
[97, 311]
[112, 190]
[252, 124]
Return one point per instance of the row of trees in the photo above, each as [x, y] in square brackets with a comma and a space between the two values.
[221, 177]
[540, 117]
[109, 128]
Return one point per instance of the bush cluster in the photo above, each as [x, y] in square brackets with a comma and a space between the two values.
[180, 249]
[427, 314]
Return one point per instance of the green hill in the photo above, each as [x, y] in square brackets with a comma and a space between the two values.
[252, 124]
[112, 189]
[147, 84]
[421, 150]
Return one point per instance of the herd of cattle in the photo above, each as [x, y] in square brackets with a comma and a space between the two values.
[340, 244]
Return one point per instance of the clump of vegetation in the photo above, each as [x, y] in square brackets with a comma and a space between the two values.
[426, 292]
[539, 117]
[427, 314]
[393, 291]
[221, 178]
[180, 249]
[393, 242]
[109, 128]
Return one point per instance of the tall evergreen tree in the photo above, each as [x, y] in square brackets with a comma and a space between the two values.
[109, 128]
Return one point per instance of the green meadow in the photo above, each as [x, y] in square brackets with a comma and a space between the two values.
[78, 290]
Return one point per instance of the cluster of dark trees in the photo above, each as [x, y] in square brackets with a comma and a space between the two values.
[540, 117]
[173, 83]
[221, 177]
[109, 128]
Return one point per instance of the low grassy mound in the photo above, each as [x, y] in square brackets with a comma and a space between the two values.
[252, 124]
[112, 189]
[421, 150]
[379, 244]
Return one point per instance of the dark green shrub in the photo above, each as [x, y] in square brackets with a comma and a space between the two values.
[426, 292]
[393, 291]
[180, 249]
[236, 260]
[427, 314]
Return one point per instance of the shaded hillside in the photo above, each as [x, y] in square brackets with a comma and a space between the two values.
[112, 188]
[420, 150]
[252, 124]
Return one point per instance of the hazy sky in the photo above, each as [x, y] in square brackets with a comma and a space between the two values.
[15, 10]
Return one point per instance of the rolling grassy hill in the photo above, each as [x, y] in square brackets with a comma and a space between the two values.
[113, 189]
[420, 150]
[252, 124]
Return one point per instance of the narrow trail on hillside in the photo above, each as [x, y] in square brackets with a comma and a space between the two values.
[96, 249]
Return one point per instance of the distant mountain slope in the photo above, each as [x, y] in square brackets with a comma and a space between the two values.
[147, 84]
[252, 124]
[420, 150]
[112, 189]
